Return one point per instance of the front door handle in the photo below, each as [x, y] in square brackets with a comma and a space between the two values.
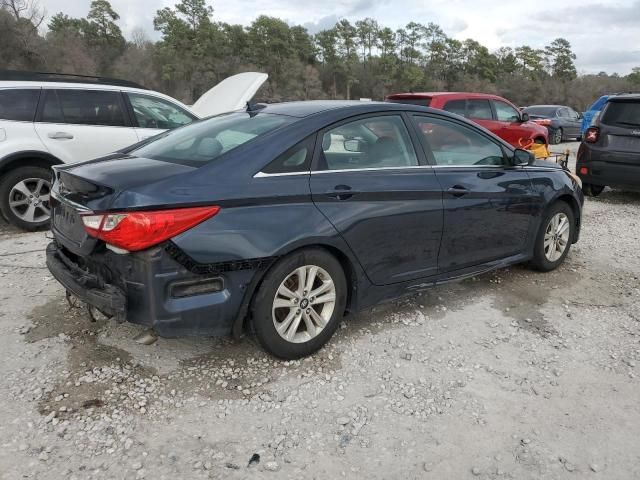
[458, 191]
[60, 135]
[341, 192]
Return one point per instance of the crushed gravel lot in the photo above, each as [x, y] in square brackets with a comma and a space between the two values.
[510, 375]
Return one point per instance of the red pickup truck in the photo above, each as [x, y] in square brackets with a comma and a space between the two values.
[491, 111]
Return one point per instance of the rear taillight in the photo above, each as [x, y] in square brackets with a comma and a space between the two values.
[544, 122]
[592, 134]
[134, 231]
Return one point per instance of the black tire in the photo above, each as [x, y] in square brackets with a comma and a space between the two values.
[556, 136]
[262, 314]
[7, 184]
[540, 260]
[591, 190]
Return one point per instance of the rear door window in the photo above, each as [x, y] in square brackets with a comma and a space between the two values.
[456, 106]
[623, 114]
[479, 109]
[372, 142]
[83, 107]
[19, 104]
[297, 159]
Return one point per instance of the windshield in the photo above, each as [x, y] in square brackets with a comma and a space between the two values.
[541, 111]
[204, 141]
[625, 114]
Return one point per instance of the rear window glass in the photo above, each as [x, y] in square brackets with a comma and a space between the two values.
[202, 142]
[83, 107]
[543, 111]
[18, 104]
[423, 102]
[624, 114]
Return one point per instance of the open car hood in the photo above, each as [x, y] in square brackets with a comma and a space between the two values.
[230, 94]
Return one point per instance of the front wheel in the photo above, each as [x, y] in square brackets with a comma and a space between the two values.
[24, 197]
[554, 237]
[556, 137]
[300, 303]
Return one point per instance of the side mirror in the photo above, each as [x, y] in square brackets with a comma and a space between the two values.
[354, 146]
[524, 117]
[523, 157]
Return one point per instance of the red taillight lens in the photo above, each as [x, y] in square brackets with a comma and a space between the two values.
[592, 134]
[544, 122]
[135, 231]
[584, 171]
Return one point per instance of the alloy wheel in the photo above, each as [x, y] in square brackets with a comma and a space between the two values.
[556, 237]
[29, 200]
[304, 304]
[557, 136]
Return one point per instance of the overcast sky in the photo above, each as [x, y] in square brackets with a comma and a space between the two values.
[605, 34]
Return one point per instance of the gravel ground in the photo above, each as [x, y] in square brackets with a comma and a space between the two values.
[510, 375]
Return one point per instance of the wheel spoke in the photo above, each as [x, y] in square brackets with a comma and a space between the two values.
[311, 278]
[45, 198]
[282, 303]
[18, 203]
[317, 318]
[29, 215]
[325, 287]
[293, 328]
[285, 292]
[44, 209]
[326, 298]
[39, 185]
[22, 188]
[311, 327]
[302, 279]
[282, 327]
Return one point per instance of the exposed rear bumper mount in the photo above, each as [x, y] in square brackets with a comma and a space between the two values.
[86, 286]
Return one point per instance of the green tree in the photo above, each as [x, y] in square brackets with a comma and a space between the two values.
[561, 59]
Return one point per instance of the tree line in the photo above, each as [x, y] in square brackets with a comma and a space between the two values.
[347, 61]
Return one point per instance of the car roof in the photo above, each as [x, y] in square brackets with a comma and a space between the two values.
[624, 96]
[460, 95]
[348, 107]
[87, 86]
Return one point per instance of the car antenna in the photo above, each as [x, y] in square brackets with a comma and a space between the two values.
[253, 108]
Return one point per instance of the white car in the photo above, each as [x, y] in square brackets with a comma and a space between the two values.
[49, 119]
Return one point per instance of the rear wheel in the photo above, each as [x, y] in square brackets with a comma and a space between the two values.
[300, 304]
[24, 197]
[554, 238]
[592, 190]
[556, 137]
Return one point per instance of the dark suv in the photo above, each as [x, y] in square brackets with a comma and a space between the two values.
[610, 152]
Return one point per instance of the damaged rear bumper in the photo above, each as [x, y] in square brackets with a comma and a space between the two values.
[86, 286]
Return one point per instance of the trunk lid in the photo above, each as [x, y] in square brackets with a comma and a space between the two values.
[230, 94]
[93, 187]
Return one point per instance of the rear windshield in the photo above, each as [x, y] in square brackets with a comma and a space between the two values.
[202, 142]
[423, 102]
[542, 111]
[624, 114]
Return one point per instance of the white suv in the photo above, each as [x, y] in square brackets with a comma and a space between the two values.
[49, 119]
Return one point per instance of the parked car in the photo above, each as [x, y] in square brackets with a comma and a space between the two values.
[591, 115]
[492, 112]
[50, 119]
[293, 214]
[563, 123]
[610, 152]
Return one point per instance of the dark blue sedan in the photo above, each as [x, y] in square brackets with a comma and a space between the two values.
[288, 216]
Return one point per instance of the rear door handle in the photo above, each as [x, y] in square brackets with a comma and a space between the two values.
[60, 135]
[341, 192]
[457, 191]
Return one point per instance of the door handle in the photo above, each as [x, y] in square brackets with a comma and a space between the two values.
[60, 135]
[341, 192]
[457, 191]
